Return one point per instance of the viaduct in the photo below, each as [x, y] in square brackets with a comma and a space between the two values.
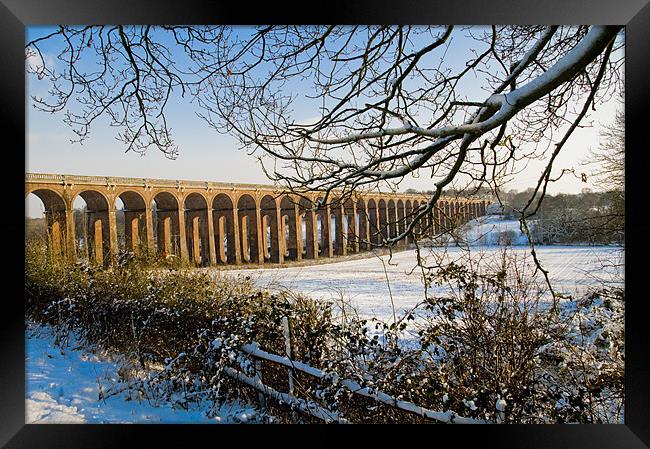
[213, 223]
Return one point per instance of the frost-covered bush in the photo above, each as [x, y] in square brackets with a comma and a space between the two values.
[586, 369]
[484, 339]
[178, 328]
[500, 352]
[371, 354]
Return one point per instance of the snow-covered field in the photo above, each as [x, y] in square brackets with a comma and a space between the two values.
[63, 386]
[368, 284]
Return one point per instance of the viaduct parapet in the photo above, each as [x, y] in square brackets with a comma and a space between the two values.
[213, 223]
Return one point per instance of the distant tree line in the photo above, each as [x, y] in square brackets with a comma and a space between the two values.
[480, 192]
[587, 217]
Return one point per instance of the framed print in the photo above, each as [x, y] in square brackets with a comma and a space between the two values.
[326, 176]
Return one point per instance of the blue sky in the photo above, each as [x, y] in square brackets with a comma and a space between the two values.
[205, 154]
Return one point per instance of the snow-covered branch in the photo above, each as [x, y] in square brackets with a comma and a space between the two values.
[506, 105]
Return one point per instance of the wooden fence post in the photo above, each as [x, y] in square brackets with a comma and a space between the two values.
[258, 376]
[287, 345]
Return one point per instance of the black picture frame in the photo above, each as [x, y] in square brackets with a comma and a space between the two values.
[15, 15]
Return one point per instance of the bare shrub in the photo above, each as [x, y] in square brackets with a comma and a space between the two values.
[506, 238]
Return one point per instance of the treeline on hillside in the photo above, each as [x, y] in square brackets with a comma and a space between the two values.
[480, 192]
[587, 217]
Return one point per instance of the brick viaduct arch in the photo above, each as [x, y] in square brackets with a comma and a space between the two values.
[210, 223]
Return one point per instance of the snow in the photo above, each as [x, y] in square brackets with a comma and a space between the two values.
[486, 230]
[41, 407]
[64, 385]
[362, 283]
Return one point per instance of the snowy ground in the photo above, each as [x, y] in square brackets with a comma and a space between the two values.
[363, 283]
[63, 386]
